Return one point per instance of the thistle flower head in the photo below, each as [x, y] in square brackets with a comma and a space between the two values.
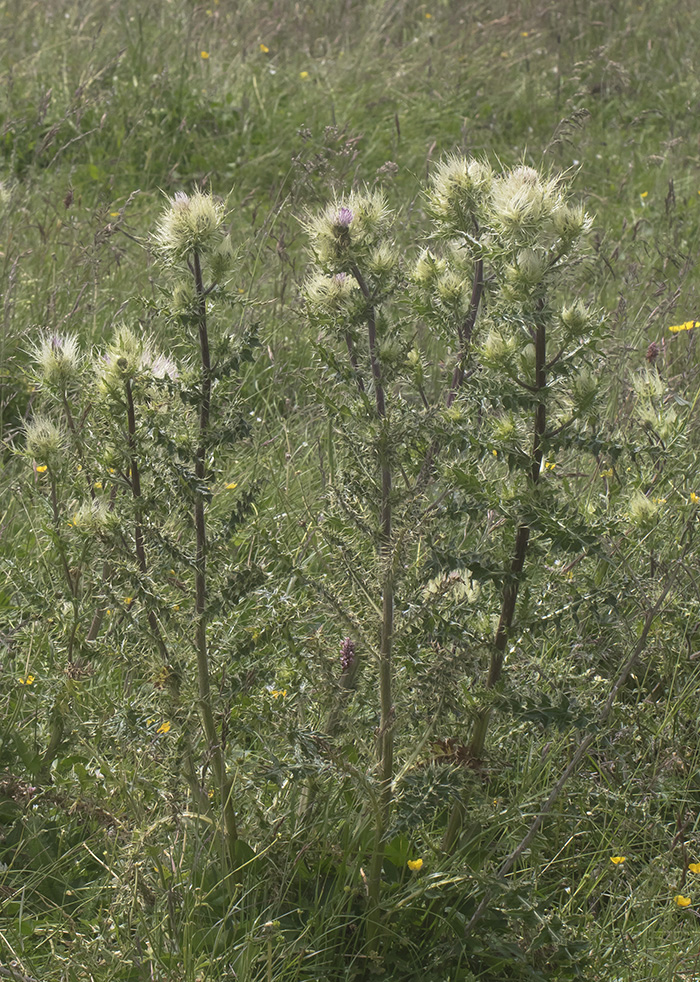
[428, 269]
[58, 360]
[642, 510]
[329, 294]
[522, 204]
[576, 318]
[123, 359]
[44, 441]
[347, 655]
[529, 268]
[94, 516]
[191, 223]
[456, 194]
[349, 229]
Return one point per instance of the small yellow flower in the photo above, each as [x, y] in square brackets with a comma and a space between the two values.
[128, 600]
[694, 867]
[682, 901]
[232, 486]
[686, 326]
[210, 794]
[204, 54]
[264, 48]
[163, 728]
[98, 485]
[495, 453]
[303, 74]
[644, 194]
[28, 681]
[428, 16]
[618, 860]
[114, 214]
[41, 469]
[415, 864]
[550, 465]
[694, 498]
[276, 693]
[607, 473]
[524, 34]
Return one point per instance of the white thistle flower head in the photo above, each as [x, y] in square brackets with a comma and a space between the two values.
[522, 203]
[45, 442]
[123, 360]
[428, 269]
[575, 317]
[498, 349]
[58, 360]
[529, 268]
[160, 366]
[327, 294]
[457, 191]
[190, 224]
[94, 516]
[570, 222]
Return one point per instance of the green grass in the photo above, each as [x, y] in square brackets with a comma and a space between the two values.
[107, 873]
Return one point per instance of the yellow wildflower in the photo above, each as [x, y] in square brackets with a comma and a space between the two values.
[415, 864]
[618, 860]
[644, 194]
[428, 16]
[694, 498]
[607, 473]
[41, 469]
[694, 867]
[264, 48]
[204, 54]
[128, 600]
[232, 486]
[550, 465]
[98, 485]
[686, 326]
[682, 901]
[28, 681]
[276, 693]
[303, 74]
[114, 214]
[163, 728]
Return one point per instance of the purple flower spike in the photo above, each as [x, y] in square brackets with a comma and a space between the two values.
[347, 655]
[344, 217]
[340, 278]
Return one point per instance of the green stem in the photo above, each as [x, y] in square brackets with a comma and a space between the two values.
[385, 740]
[203, 677]
[522, 537]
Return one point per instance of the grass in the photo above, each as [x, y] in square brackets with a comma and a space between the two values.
[108, 872]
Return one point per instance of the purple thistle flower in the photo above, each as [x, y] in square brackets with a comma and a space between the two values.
[340, 278]
[347, 654]
[344, 217]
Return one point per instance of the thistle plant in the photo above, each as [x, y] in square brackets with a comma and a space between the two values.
[495, 289]
[192, 243]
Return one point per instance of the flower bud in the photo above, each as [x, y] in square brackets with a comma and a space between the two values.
[58, 360]
[123, 360]
[641, 510]
[457, 190]
[44, 441]
[575, 318]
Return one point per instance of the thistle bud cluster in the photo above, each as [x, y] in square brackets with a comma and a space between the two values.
[351, 232]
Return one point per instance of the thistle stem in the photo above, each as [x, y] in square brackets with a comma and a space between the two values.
[203, 677]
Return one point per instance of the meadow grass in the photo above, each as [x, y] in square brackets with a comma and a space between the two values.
[109, 870]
